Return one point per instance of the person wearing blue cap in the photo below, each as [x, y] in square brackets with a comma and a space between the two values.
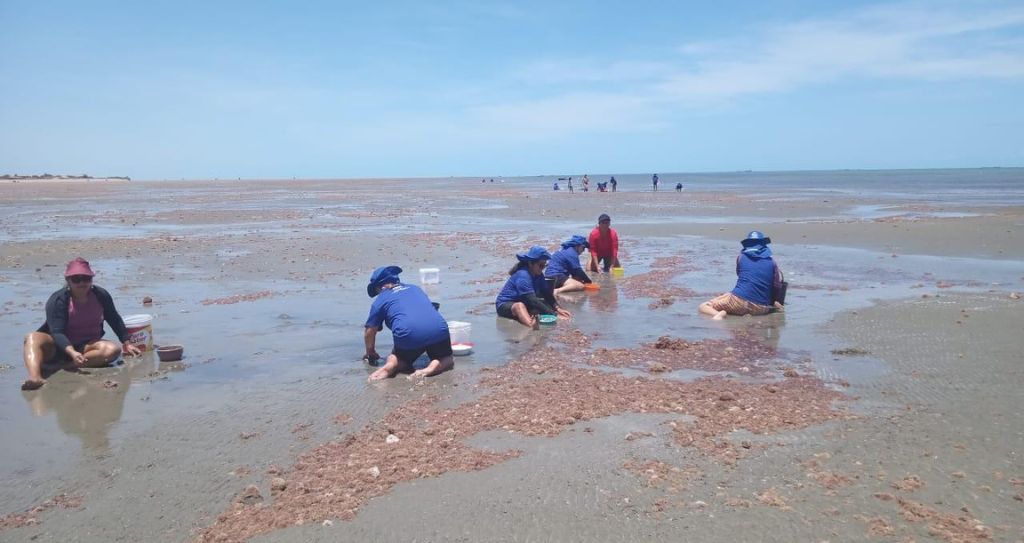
[415, 324]
[564, 269]
[759, 284]
[526, 293]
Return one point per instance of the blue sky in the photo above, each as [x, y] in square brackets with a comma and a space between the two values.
[348, 89]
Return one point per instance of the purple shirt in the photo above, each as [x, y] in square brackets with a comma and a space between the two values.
[85, 320]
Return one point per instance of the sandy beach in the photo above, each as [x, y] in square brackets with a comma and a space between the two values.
[884, 404]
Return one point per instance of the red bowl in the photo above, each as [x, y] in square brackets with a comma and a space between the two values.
[170, 353]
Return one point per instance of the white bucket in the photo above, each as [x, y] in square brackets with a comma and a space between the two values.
[460, 332]
[430, 276]
[140, 331]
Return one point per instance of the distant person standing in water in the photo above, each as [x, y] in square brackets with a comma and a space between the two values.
[604, 245]
[586, 183]
[570, 184]
[654, 181]
[679, 187]
[615, 184]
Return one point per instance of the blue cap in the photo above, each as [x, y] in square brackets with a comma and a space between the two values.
[382, 276]
[534, 254]
[756, 238]
[576, 241]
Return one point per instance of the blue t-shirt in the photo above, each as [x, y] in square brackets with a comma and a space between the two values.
[565, 261]
[520, 284]
[408, 313]
[754, 279]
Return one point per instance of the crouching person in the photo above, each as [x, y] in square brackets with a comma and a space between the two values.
[415, 324]
[759, 288]
[564, 269]
[526, 293]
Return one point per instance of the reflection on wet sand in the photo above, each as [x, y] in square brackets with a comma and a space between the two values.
[88, 402]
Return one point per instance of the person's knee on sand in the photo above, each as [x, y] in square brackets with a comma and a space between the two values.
[101, 354]
[524, 316]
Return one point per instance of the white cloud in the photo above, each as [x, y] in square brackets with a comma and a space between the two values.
[906, 41]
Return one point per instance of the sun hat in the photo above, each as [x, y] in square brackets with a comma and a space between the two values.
[534, 254]
[604, 217]
[576, 241]
[382, 276]
[756, 238]
[78, 266]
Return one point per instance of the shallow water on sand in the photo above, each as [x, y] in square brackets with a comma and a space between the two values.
[263, 379]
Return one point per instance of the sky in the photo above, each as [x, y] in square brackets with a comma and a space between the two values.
[182, 89]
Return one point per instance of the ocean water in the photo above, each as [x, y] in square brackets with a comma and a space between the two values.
[977, 186]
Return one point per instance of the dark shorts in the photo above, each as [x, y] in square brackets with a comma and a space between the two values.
[606, 262]
[505, 310]
[435, 351]
[558, 281]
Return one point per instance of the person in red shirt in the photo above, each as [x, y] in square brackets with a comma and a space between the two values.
[604, 245]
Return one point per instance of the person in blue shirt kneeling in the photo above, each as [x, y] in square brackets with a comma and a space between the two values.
[564, 269]
[759, 286]
[526, 293]
[415, 324]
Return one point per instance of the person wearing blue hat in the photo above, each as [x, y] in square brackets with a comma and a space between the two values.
[526, 293]
[759, 284]
[564, 269]
[415, 324]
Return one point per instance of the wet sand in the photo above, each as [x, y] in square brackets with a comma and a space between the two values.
[885, 403]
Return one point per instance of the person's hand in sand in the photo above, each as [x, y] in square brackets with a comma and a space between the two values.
[77, 358]
[131, 349]
[563, 314]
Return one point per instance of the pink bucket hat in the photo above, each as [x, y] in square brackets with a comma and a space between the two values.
[78, 266]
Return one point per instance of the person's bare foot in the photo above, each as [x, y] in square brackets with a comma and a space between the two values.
[535, 322]
[32, 384]
[719, 316]
[379, 375]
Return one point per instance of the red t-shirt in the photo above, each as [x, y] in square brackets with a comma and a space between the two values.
[604, 246]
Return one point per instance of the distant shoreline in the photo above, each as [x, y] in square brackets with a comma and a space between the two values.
[49, 178]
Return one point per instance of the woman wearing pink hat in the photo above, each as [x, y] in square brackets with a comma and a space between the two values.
[74, 327]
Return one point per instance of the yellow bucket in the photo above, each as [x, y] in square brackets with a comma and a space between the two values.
[618, 272]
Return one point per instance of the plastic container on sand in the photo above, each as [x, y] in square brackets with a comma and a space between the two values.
[618, 272]
[548, 319]
[140, 331]
[460, 332]
[430, 276]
